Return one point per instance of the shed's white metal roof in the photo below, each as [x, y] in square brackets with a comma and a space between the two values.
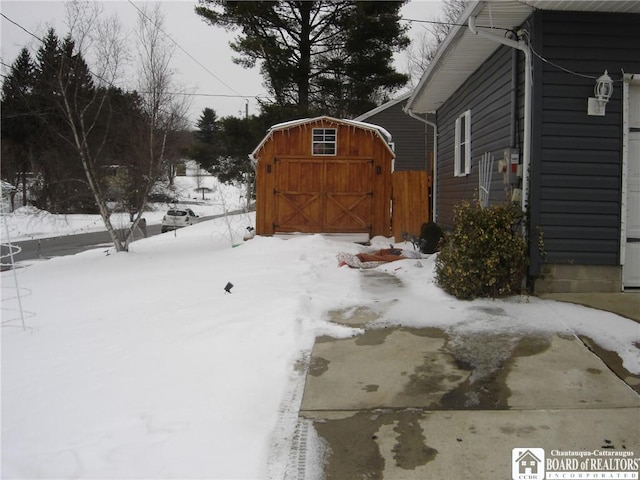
[376, 129]
[462, 52]
[355, 123]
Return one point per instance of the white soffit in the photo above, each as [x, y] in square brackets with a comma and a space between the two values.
[615, 6]
[463, 52]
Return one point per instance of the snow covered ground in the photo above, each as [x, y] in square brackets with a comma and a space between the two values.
[140, 365]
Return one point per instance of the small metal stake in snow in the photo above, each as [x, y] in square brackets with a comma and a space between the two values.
[228, 287]
[11, 249]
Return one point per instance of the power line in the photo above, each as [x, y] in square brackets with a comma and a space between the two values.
[21, 27]
[186, 94]
[238, 94]
[452, 24]
[543, 59]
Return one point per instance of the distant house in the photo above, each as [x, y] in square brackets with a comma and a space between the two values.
[8, 191]
[514, 82]
[413, 142]
[412, 138]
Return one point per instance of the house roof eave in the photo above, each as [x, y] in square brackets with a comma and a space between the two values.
[462, 52]
[384, 106]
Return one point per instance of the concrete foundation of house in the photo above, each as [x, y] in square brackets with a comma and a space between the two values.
[557, 278]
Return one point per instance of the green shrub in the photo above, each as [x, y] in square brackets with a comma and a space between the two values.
[485, 255]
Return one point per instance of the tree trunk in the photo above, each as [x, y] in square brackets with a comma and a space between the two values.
[24, 187]
[304, 69]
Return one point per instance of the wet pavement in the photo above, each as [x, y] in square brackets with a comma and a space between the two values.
[421, 403]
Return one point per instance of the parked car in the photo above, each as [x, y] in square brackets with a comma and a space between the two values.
[178, 218]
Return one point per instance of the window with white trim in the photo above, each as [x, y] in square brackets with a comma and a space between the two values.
[462, 160]
[324, 141]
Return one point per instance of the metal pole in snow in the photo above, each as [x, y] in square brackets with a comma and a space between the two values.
[13, 267]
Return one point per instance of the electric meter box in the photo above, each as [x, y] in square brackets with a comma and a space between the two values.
[511, 170]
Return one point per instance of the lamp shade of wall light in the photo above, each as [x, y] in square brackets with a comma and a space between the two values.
[603, 88]
[602, 91]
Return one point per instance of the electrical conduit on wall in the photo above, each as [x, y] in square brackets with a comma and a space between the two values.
[526, 146]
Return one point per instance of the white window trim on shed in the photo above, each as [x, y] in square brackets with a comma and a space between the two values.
[324, 141]
[462, 160]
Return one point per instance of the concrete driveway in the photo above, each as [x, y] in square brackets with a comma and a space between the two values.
[403, 403]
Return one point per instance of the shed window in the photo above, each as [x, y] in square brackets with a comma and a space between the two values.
[324, 141]
[462, 163]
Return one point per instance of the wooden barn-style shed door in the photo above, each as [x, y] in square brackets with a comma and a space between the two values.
[315, 195]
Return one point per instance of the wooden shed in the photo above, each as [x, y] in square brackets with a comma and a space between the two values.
[324, 175]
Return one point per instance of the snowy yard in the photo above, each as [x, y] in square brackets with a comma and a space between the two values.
[140, 365]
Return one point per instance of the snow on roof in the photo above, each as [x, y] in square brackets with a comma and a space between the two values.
[382, 132]
[370, 126]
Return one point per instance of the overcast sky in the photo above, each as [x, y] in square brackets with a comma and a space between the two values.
[215, 80]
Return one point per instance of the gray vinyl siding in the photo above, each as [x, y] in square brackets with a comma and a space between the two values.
[487, 94]
[577, 159]
[412, 138]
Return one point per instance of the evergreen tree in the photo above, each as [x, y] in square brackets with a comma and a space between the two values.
[237, 140]
[19, 128]
[207, 127]
[315, 55]
[84, 159]
[222, 146]
[206, 149]
[63, 99]
[366, 75]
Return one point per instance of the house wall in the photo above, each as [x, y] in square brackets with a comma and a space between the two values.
[487, 93]
[577, 159]
[413, 140]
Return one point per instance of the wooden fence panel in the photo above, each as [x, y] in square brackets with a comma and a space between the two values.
[411, 206]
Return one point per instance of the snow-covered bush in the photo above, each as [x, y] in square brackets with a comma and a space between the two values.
[485, 255]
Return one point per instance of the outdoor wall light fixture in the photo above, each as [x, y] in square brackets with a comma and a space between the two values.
[602, 92]
[604, 87]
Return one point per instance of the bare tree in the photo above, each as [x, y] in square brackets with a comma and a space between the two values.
[422, 52]
[82, 96]
[164, 103]
[85, 99]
